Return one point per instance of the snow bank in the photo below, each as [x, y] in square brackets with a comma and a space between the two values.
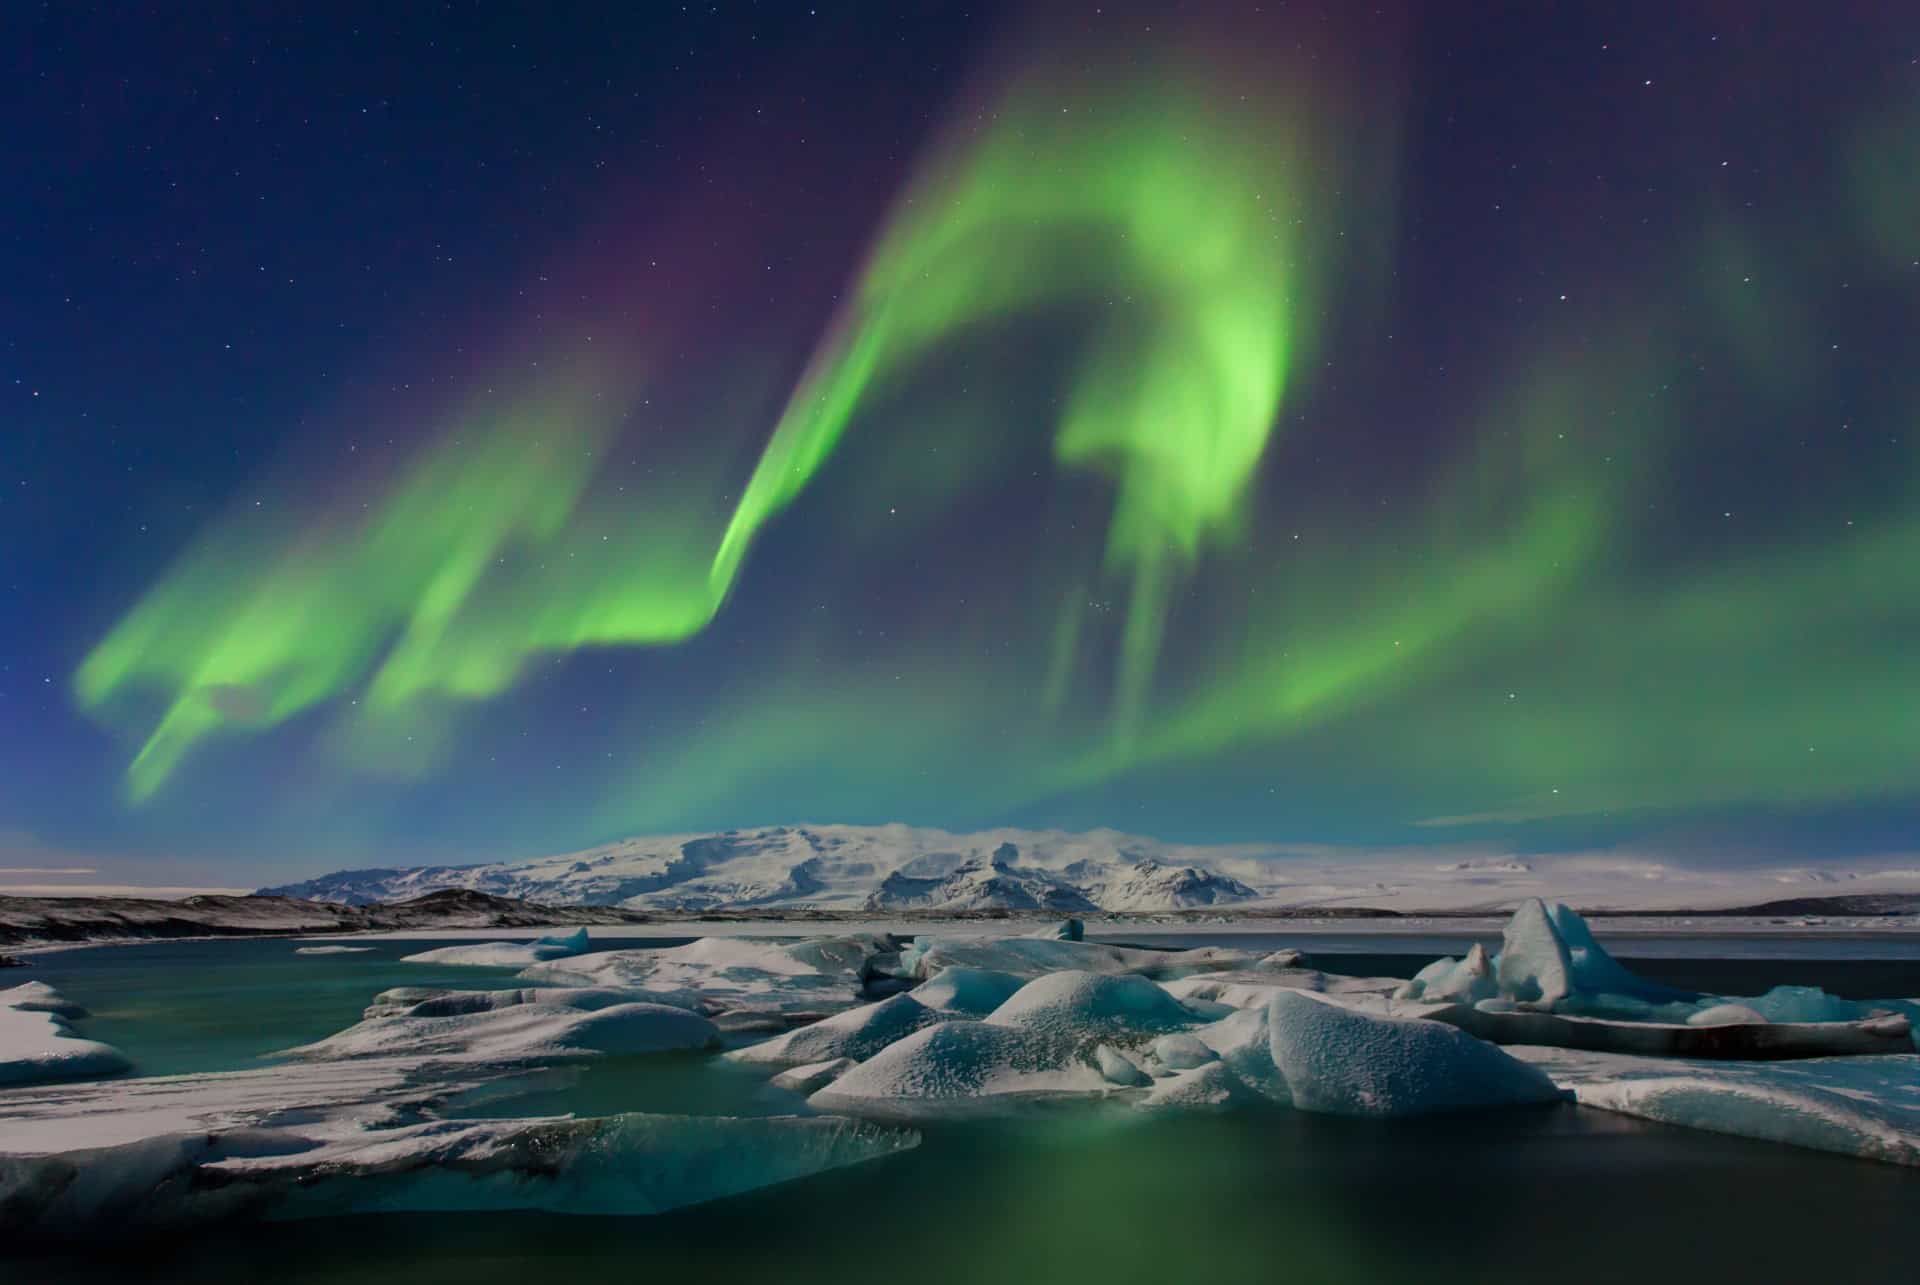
[858, 1033]
[1343, 1062]
[37, 1044]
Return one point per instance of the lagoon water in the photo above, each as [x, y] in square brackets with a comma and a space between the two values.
[1551, 1194]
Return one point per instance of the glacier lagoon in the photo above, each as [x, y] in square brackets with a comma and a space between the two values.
[1066, 1193]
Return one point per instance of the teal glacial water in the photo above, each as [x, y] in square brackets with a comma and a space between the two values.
[1554, 1195]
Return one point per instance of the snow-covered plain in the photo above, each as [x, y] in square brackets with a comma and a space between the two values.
[867, 1036]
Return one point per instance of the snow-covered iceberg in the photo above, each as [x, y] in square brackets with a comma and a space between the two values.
[559, 1025]
[622, 1164]
[813, 977]
[37, 1043]
[1343, 1062]
[1552, 983]
[1034, 956]
[506, 954]
[857, 1034]
[1857, 1106]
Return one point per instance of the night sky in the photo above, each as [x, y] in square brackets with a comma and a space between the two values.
[457, 431]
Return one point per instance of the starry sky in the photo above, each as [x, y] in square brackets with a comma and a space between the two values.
[440, 432]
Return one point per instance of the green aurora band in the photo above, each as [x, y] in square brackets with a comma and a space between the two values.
[1515, 642]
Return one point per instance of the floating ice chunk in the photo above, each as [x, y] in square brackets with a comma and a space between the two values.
[455, 1003]
[1533, 966]
[1254, 988]
[331, 950]
[959, 1068]
[1857, 1106]
[858, 1033]
[488, 954]
[1072, 1012]
[1467, 980]
[1035, 956]
[972, 991]
[623, 1164]
[505, 954]
[1886, 1034]
[1595, 971]
[1805, 1004]
[1065, 930]
[519, 1032]
[1244, 1043]
[560, 945]
[812, 1077]
[818, 975]
[1117, 1068]
[1725, 1015]
[1212, 1087]
[1343, 1062]
[38, 997]
[1182, 1052]
[37, 1044]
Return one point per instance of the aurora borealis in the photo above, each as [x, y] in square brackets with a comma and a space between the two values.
[485, 435]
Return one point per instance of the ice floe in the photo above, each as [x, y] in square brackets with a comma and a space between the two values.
[1857, 1106]
[37, 1043]
[1552, 983]
[506, 954]
[858, 1034]
[813, 977]
[541, 1028]
[620, 1164]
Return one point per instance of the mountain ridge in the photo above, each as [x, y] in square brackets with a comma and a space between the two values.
[847, 868]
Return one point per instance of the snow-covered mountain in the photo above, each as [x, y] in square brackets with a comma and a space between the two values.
[892, 867]
[897, 867]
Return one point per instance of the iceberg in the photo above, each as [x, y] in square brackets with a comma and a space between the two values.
[1072, 1012]
[37, 1044]
[621, 1164]
[858, 1034]
[960, 1068]
[1035, 956]
[812, 1077]
[1182, 1052]
[1858, 1106]
[1343, 1062]
[506, 954]
[1552, 983]
[1116, 1067]
[801, 979]
[332, 950]
[546, 1027]
[974, 992]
